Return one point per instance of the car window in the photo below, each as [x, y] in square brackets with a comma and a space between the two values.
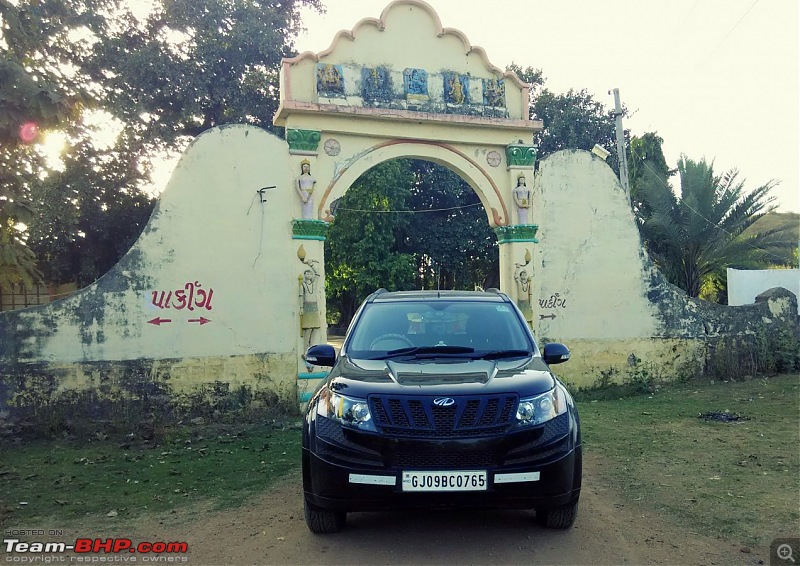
[483, 326]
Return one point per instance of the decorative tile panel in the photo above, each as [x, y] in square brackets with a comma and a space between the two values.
[330, 80]
[456, 88]
[415, 83]
[376, 84]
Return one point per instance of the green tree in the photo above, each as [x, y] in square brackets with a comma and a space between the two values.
[33, 96]
[453, 245]
[646, 166]
[153, 80]
[573, 120]
[82, 241]
[190, 65]
[695, 237]
[361, 249]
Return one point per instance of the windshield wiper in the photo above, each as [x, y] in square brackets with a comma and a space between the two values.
[497, 354]
[425, 351]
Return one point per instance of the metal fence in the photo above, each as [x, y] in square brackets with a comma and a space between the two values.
[21, 297]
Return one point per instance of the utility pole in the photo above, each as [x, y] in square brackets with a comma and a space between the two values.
[623, 159]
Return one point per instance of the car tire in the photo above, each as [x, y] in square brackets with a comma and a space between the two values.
[323, 521]
[561, 518]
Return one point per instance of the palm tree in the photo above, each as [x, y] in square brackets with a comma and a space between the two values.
[695, 237]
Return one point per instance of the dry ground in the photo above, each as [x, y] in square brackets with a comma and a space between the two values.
[271, 530]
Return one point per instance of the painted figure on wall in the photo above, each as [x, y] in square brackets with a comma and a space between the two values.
[522, 199]
[376, 84]
[524, 287]
[456, 90]
[415, 84]
[330, 79]
[305, 188]
[494, 92]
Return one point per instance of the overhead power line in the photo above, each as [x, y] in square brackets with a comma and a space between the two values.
[338, 209]
[727, 35]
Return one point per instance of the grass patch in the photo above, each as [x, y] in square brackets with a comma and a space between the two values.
[220, 465]
[737, 479]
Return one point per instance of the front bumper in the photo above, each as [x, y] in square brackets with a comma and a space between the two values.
[336, 465]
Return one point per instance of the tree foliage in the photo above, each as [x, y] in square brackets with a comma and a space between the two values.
[695, 237]
[361, 250]
[34, 95]
[572, 120]
[646, 166]
[89, 216]
[125, 82]
[453, 245]
[191, 65]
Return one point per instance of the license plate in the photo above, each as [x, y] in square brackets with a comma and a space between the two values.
[457, 480]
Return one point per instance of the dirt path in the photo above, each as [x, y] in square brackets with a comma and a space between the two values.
[271, 530]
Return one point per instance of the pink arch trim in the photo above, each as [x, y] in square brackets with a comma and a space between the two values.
[500, 219]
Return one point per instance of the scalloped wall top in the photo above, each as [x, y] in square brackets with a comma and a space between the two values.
[409, 33]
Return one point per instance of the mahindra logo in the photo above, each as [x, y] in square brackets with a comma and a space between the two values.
[444, 402]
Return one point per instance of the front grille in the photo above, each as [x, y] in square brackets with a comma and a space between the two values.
[443, 460]
[418, 417]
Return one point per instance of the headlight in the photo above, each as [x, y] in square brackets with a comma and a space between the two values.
[542, 408]
[350, 412]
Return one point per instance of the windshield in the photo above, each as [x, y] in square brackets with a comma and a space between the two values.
[425, 328]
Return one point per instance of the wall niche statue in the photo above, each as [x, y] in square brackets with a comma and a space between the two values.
[304, 185]
[522, 199]
[310, 319]
[524, 282]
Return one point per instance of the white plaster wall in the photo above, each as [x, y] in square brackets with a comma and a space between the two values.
[589, 253]
[208, 227]
[745, 285]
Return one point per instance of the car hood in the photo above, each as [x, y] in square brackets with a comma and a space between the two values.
[451, 376]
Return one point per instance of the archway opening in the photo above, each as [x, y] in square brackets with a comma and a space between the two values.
[406, 223]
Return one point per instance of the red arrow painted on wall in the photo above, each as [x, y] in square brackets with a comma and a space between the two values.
[201, 320]
[158, 321]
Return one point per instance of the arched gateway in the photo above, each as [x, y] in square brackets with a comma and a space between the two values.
[404, 86]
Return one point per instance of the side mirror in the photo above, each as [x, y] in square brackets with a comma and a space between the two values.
[555, 353]
[320, 355]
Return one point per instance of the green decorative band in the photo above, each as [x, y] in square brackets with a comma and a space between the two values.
[304, 397]
[303, 140]
[519, 155]
[309, 229]
[517, 233]
[312, 375]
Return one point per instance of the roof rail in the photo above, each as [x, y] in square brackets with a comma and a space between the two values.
[374, 294]
[492, 290]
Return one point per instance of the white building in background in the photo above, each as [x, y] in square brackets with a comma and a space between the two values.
[744, 285]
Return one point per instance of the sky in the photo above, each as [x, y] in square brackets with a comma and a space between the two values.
[716, 79]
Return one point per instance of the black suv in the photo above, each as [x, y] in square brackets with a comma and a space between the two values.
[440, 398]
